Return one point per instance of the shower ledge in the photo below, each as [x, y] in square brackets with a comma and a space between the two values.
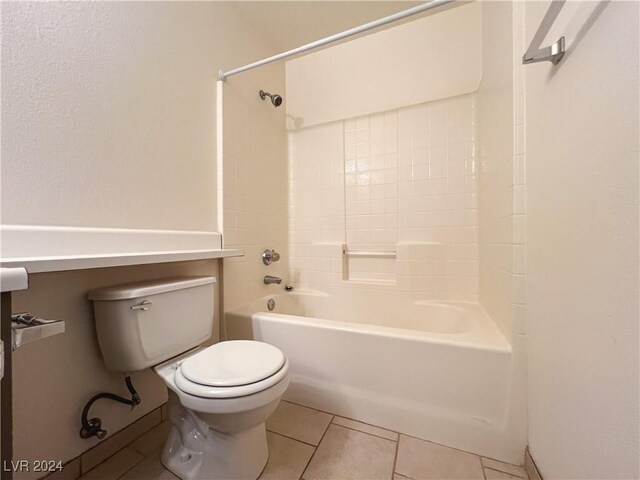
[49, 249]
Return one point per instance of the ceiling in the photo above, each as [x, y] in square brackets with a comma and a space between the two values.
[289, 24]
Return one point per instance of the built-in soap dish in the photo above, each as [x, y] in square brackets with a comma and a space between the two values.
[27, 328]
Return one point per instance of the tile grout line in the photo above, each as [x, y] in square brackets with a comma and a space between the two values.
[334, 416]
[316, 448]
[144, 457]
[316, 409]
[482, 457]
[364, 423]
[506, 473]
[395, 458]
[447, 446]
[366, 433]
[403, 476]
[503, 471]
[295, 439]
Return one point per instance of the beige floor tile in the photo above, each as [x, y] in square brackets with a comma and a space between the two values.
[366, 428]
[423, 460]
[149, 469]
[348, 454]
[491, 474]
[287, 458]
[119, 440]
[116, 466]
[70, 471]
[514, 470]
[153, 441]
[302, 423]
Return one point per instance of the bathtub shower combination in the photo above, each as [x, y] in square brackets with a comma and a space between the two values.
[435, 370]
[397, 216]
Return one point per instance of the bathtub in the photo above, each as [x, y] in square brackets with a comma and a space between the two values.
[435, 370]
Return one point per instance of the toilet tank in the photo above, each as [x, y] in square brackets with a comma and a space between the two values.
[142, 324]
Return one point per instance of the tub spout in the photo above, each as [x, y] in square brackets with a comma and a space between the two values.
[269, 279]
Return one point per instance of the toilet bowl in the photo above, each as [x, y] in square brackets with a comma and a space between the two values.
[219, 396]
[219, 421]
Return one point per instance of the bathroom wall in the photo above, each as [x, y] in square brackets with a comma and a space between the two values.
[336, 83]
[254, 182]
[582, 244]
[501, 168]
[439, 182]
[501, 211]
[108, 110]
[55, 377]
[399, 181]
[402, 180]
[108, 116]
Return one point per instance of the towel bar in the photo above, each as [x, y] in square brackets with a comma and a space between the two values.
[552, 53]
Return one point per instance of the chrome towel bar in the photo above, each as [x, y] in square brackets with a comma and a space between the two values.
[552, 53]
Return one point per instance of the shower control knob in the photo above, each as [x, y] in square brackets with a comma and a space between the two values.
[269, 256]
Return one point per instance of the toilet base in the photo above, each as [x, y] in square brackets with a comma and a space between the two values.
[194, 451]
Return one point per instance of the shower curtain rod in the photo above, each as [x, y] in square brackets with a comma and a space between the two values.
[338, 36]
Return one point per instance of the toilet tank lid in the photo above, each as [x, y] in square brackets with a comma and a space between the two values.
[152, 287]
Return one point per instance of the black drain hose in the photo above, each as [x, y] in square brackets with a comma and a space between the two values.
[93, 427]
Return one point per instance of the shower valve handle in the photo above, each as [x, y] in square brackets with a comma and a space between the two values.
[270, 256]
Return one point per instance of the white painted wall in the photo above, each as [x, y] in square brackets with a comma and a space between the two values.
[108, 111]
[582, 244]
[370, 74]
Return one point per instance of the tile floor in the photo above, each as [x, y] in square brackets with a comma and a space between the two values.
[312, 445]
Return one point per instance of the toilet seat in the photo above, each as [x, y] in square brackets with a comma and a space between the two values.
[233, 363]
[231, 369]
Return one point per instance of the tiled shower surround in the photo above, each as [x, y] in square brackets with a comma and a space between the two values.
[254, 192]
[400, 181]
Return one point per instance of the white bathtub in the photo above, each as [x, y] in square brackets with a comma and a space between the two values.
[439, 371]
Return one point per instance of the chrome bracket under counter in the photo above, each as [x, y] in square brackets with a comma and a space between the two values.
[27, 328]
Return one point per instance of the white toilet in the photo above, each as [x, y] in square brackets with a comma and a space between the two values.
[219, 396]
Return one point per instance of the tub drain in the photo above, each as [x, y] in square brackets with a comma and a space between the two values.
[271, 304]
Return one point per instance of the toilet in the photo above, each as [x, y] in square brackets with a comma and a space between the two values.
[219, 396]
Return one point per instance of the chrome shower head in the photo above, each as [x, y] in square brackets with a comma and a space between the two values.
[276, 99]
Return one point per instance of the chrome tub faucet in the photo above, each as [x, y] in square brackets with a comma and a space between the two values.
[270, 279]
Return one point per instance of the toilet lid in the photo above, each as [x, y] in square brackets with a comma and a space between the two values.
[233, 363]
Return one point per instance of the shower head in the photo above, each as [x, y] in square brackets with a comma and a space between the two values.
[275, 98]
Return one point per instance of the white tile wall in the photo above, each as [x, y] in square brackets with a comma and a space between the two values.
[254, 193]
[518, 266]
[316, 204]
[384, 182]
[502, 177]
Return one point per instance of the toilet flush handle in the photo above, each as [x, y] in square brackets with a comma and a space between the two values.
[146, 305]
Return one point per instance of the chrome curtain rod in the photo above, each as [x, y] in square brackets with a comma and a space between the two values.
[338, 36]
